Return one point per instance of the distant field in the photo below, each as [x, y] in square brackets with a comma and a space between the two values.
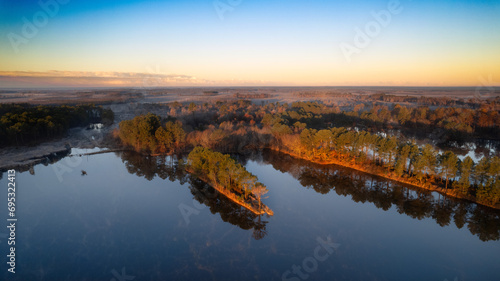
[335, 95]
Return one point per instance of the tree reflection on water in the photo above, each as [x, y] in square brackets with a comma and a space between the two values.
[385, 194]
[416, 203]
[169, 168]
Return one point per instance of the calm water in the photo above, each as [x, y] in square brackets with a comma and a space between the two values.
[139, 218]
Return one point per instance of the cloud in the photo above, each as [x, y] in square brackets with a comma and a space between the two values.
[94, 79]
[56, 78]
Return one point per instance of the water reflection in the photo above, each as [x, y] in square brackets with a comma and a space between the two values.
[384, 194]
[481, 221]
[150, 166]
[169, 168]
[45, 160]
[228, 210]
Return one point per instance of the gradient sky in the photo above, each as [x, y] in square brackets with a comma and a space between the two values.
[435, 43]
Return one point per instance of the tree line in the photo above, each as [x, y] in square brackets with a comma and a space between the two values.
[449, 124]
[24, 124]
[421, 165]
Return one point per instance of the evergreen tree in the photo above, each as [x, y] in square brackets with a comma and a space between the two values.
[449, 166]
[466, 167]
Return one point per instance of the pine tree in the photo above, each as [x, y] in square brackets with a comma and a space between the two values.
[466, 167]
[449, 166]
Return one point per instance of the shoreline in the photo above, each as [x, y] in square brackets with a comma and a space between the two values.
[347, 164]
[231, 196]
[46, 152]
[25, 156]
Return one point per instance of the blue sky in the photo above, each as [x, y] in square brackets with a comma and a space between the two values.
[437, 43]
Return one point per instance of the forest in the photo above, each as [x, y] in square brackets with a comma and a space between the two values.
[374, 139]
[220, 170]
[24, 124]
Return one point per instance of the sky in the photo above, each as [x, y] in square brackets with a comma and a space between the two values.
[50, 43]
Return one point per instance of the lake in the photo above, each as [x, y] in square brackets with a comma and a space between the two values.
[138, 218]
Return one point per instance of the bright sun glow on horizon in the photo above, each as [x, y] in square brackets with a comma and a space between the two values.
[258, 43]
